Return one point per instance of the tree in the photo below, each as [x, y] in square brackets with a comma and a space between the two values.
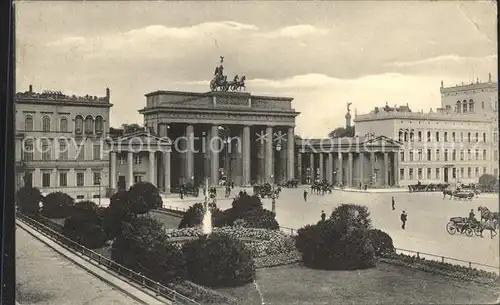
[352, 215]
[28, 200]
[57, 205]
[131, 128]
[144, 196]
[118, 212]
[84, 225]
[488, 182]
[341, 132]
[193, 216]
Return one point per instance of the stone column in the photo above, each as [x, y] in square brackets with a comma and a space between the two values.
[130, 169]
[214, 148]
[340, 178]
[361, 163]
[321, 167]
[372, 167]
[166, 170]
[396, 169]
[386, 169]
[246, 154]
[261, 160]
[311, 167]
[290, 145]
[299, 167]
[112, 174]
[207, 153]
[350, 170]
[152, 166]
[330, 168]
[189, 152]
[269, 169]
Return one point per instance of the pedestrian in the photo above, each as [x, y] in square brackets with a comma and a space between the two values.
[393, 204]
[323, 216]
[404, 218]
[305, 195]
[274, 205]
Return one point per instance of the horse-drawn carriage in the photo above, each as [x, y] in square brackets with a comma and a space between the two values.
[266, 190]
[291, 183]
[321, 187]
[431, 187]
[459, 194]
[464, 225]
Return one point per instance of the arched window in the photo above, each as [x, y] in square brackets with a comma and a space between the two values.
[406, 136]
[477, 137]
[63, 126]
[428, 136]
[437, 136]
[46, 124]
[411, 135]
[78, 124]
[464, 106]
[482, 105]
[484, 137]
[45, 150]
[453, 139]
[89, 125]
[63, 150]
[446, 136]
[459, 106]
[419, 135]
[28, 123]
[99, 125]
[471, 106]
[400, 136]
[468, 137]
[28, 150]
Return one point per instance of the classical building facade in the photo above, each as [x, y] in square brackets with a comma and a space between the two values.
[440, 146]
[59, 142]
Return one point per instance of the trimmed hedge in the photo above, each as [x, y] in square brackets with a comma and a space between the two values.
[57, 205]
[85, 225]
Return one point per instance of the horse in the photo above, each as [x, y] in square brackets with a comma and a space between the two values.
[448, 192]
[486, 214]
[490, 225]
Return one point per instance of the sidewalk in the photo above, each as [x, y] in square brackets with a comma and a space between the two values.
[384, 190]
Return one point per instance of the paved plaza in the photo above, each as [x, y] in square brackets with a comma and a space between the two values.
[425, 230]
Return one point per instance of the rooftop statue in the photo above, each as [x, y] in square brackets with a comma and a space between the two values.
[220, 82]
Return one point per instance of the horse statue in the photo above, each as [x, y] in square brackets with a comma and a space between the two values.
[238, 84]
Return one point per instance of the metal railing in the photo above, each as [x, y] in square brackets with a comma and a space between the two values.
[135, 277]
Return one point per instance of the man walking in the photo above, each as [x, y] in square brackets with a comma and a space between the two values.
[305, 195]
[393, 204]
[323, 216]
[404, 218]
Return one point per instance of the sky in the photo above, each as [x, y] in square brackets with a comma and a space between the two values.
[322, 54]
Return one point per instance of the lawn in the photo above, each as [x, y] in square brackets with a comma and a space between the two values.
[385, 284]
[169, 221]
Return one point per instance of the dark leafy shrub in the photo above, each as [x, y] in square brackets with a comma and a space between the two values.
[381, 242]
[262, 218]
[143, 246]
[193, 217]
[219, 260]
[352, 215]
[28, 200]
[144, 196]
[85, 226]
[243, 204]
[118, 212]
[57, 205]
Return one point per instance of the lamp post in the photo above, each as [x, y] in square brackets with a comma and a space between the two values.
[278, 149]
[227, 143]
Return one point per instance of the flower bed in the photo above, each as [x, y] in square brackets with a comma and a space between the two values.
[202, 294]
[289, 258]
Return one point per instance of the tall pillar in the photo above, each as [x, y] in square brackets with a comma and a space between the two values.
[166, 170]
[207, 153]
[214, 148]
[321, 167]
[299, 167]
[372, 168]
[396, 169]
[130, 169]
[386, 169]
[290, 145]
[246, 156]
[152, 166]
[361, 163]
[350, 170]
[269, 169]
[261, 160]
[311, 167]
[330, 168]
[112, 174]
[340, 168]
[189, 171]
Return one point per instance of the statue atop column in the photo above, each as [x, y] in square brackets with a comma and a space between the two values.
[348, 115]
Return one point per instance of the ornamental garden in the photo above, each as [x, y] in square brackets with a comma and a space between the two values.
[220, 268]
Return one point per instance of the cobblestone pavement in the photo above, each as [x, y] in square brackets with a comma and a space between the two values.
[45, 277]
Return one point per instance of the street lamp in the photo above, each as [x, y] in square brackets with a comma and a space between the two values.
[227, 143]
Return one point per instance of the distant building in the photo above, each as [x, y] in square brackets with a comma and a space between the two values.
[59, 142]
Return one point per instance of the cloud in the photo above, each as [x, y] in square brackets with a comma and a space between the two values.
[295, 31]
[442, 60]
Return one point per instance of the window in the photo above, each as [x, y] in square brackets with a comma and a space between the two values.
[464, 106]
[89, 125]
[81, 152]
[137, 178]
[438, 155]
[419, 171]
[80, 179]
[437, 136]
[429, 155]
[97, 152]
[99, 125]
[410, 173]
[63, 179]
[454, 173]
[122, 160]
[28, 179]
[138, 160]
[46, 123]
[401, 155]
[28, 150]
[457, 108]
[45, 150]
[419, 135]
[428, 136]
[429, 173]
[477, 172]
[469, 172]
[453, 139]
[28, 123]
[97, 178]
[468, 137]
[484, 170]
[80, 197]
[411, 155]
[495, 155]
[462, 155]
[419, 153]
[469, 154]
[45, 179]
[482, 104]
[401, 174]
[485, 157]
[461, 137]
[477, 137]
[438, 173]
[406, 137]
[400, 136]
[63, 150]
[471, 106]
[484, 137]
[461, 172]
[445, 155]
[453, 155]
[446, 137]
[63, 125]
[78, 124]
[477, 154]
[411, 136]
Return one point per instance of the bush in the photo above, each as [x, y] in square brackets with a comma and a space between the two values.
[144, 196]
[262, 218]
[219, 260]
[193, 217]
[28, 200]
[118, 212]
[85, 226]
[352, 215]
[381, 242]
[244, 204]
[488, 182]
[57, 205]
[143, 246]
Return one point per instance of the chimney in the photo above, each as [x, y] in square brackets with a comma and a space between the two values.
[107, 94]
[31, 89]
[442, 85]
